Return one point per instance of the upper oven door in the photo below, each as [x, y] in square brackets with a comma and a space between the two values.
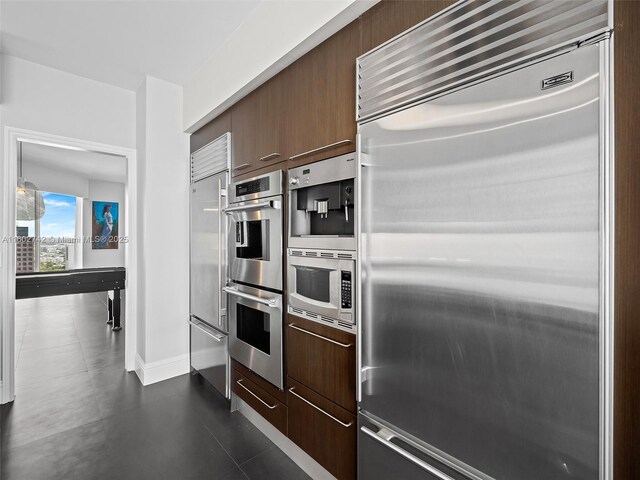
[322, 286]
[255, 242]
[255, 331]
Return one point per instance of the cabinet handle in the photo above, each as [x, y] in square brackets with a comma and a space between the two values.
[345, 425]
[270, 407]
[295, 327]
[269, 157]
[242, 167]
[321, 149]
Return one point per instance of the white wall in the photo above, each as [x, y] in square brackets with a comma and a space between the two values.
[46, 100]
[275, 34]
[103, 192]
[163, 156]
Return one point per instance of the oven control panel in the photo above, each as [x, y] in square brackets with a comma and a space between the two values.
[346, 289]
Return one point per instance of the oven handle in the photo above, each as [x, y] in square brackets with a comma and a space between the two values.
[268, 303]
[295, 327]
[254, 206]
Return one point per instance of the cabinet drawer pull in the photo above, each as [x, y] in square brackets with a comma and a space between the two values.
[321, 149]
[345, 425]
[269, 157]
[242, 167]
[295, 327]
[270, 407]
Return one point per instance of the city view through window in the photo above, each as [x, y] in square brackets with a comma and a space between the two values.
[51, 252]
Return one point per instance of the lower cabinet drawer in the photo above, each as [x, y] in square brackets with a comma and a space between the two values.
[274, 411]
[326, 431]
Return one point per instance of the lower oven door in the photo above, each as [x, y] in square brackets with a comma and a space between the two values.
[255, 331]
[322, 286]
[209, 354]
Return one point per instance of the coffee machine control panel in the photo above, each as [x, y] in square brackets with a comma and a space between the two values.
[346, 290]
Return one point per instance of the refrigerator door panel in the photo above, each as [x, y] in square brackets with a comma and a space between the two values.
[210, 355]
[480, 271]
[208, 251]
[385, 453]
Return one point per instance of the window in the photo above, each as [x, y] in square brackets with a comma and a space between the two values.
[55, 230]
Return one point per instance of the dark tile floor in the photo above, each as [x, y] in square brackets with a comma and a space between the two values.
[79, 415]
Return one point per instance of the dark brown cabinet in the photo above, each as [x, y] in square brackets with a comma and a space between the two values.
[212, 130]
[244, 122]
[259, 120]
[324, 430]
[323, 359]
[263, 397]
[321, 105]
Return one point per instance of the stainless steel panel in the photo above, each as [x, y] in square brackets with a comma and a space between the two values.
[268, 366]
[208, 268]
[274, 182]
[386, 453]
[265, 271]
[343, 167]
[332, 309]
[209, 353]
[469, 41]
[480, 281]
[212, 158]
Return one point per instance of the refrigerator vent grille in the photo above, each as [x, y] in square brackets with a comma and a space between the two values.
[467, 42]
[296, 253]
[212, 158]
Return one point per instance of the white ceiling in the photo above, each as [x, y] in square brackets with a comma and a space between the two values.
[91, 165]
[119, 42]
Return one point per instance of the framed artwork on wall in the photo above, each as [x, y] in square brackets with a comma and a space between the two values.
[104, 225]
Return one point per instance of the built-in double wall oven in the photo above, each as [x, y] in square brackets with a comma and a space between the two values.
[321, 255]
[255, 249]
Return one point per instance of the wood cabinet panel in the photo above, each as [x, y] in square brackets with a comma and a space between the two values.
[323, 359]
[261, 382]
[244, 122]
[389, 18]
[324, 430]
[321, 106]
[272, 119]
[627, 262]
[273, 410]
[212, 130]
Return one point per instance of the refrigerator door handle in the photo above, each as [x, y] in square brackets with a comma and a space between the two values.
[384, 440]
[206, 332]
[221, 193]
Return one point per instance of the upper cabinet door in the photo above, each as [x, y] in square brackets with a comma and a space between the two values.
[321, 99]
[244, 120]
[272, 120]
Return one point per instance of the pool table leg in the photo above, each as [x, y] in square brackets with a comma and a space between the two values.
[116, 310]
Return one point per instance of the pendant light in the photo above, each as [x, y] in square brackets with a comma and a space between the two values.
[29, 202]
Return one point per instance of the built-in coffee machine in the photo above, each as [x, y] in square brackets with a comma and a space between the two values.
[321, 256]
[321, 204]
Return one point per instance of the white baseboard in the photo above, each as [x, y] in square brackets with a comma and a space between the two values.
[294, 452]
[149, 373]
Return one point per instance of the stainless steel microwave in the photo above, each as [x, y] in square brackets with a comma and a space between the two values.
[322, 286]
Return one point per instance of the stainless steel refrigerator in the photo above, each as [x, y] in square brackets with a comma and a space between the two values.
[484, 330]
[209, 342]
